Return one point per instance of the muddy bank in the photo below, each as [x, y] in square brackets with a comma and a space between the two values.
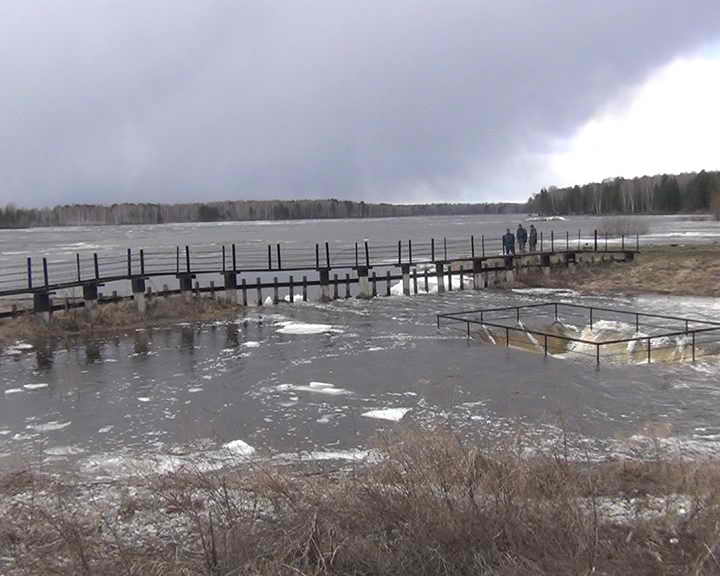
[674, 270]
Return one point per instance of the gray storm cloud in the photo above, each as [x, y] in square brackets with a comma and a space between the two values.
[178, 100]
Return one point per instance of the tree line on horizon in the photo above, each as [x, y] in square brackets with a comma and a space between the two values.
[664, 193]
[660, 194]
[237, 210]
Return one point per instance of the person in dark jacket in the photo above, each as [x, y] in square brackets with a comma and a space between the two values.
[508, 243]
[521, 236]
[533, 238]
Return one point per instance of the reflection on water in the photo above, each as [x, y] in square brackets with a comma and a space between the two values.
[309, 377]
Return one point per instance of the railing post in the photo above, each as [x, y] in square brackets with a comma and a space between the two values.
[129, 262]
[606, 241]
[269, 257]
[623, 241]
[97, 266]
[357, 261]
[579, 241]
[445, 248]
[595, 240]
[234, 259]
[637, 241]
[693, 346]
[648, 350]
[567, 240]
[29, 273]
[472, 246]
[142, 262]
[223, 259]
[410, 251]
[177, 259]
[482, 242]
[317, 257]
[45, 273]
[327, 255]
[187, 259]
[552, 241]
[597, 355]
[432, 249]
[546, 347]
[77, 264]
[367, 255]
[541, 241]
[399, 252]
[279, 259]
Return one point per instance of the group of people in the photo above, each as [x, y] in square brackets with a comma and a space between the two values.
[522, 236]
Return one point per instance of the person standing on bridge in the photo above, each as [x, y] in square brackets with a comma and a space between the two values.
[533, 238]
[508, 243]
[521, 236]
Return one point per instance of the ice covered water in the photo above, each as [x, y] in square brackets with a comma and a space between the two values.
[322, 381]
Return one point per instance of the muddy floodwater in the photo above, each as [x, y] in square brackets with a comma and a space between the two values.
[312, 380]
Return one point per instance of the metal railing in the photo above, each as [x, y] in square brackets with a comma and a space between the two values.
[698, 332]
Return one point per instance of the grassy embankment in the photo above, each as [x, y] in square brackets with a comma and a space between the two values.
[428, 504]
[674, 270]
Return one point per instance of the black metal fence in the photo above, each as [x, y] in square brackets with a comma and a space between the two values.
[547, 327]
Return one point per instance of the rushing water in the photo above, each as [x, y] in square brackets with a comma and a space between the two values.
[320, 380]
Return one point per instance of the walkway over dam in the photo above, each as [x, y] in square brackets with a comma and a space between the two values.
[239, 269]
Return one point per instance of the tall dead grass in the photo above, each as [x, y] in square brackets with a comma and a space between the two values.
[429, 504]
[116, 316]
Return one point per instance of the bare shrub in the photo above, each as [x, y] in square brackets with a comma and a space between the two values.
[430, 503]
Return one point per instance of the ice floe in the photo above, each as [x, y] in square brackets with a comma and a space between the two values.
[49, 426]
[301, 328]
[13, 390]
[393, 414]
[38, 386]
[314, 387]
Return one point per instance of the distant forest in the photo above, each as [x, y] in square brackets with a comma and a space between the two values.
[91, 214]
[666, 193]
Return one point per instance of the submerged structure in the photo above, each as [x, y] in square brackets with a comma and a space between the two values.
[566, 330]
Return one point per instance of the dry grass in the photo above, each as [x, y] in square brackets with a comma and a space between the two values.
[431, 504]
[116, 316]
[677, 270]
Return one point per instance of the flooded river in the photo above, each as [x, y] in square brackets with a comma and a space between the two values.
[313, 380]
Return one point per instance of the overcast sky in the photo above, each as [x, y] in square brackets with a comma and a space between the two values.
[401, 100]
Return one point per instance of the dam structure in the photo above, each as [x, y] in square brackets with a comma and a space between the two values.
[251, 273]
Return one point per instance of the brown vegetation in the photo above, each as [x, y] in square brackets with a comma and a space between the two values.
[676, 270]
[429, 504]
[116, 317]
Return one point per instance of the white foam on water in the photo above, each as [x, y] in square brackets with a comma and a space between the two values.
[297, 297]
[195, 389]
[375, 349]
[268, 302]
[315, 388]
[251, 344]
[13, 390]
[143, 399]
[49, 426]
[239, 448]
[38, 386]
[393, 414]
[105, 429]
[302, 328]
